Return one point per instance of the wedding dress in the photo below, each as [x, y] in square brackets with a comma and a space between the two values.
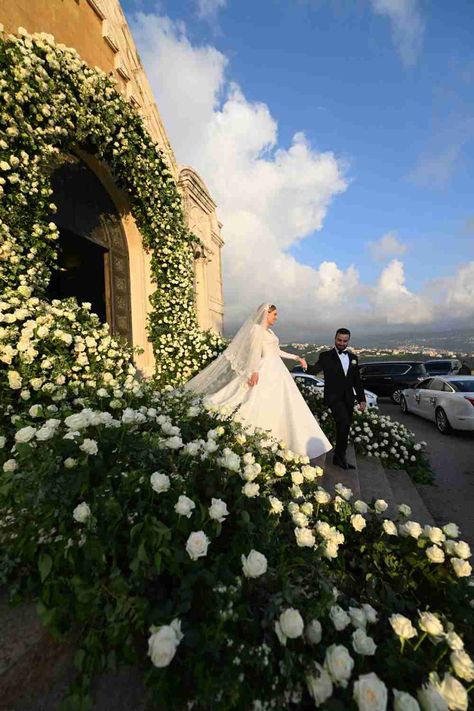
[275, 403]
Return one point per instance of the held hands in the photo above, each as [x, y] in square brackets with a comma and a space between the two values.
[362, 406]
[253, 380]
[303, 363]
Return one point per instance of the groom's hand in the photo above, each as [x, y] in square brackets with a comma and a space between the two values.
[253, 380]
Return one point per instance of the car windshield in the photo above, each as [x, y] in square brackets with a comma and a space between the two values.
[463, 386]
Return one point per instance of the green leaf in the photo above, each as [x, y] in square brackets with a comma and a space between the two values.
[45, 564]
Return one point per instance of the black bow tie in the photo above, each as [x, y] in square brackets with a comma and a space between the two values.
[341, 352]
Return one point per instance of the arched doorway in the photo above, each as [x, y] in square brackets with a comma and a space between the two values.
[93, 260]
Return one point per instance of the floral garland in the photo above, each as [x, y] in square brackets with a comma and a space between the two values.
[53, 103]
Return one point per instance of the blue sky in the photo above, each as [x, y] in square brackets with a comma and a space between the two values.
[386, 87]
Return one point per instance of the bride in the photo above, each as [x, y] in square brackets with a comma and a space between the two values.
[251, 376]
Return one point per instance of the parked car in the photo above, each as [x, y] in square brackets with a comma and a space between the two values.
[389, 378]
[448, 401]
[445, 366]
[301, 377]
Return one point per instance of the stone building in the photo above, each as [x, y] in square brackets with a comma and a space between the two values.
[101, 249]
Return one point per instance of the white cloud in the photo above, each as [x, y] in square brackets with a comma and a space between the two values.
[460, 293]
[386, 247]
[407, 26]
[208, 9]
[269, 197]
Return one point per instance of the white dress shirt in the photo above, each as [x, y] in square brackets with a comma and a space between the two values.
[344, 358]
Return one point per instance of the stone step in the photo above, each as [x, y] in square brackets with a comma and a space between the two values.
[374, 483]
[31, 661]
[405, 492]
[334, 475]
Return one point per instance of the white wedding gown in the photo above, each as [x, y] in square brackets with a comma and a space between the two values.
[275, 403]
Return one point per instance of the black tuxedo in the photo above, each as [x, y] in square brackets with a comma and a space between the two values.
[339, 393]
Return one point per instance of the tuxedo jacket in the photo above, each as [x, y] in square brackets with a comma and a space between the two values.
[337, 385]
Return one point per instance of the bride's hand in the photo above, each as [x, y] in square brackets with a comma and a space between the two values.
[253, 380]
[303, 363]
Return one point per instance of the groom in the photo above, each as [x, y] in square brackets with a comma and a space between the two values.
[341, 377]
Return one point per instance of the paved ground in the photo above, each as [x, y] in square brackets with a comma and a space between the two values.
[451, 498]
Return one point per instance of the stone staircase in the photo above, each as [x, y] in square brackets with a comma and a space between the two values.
[35, 670]
[369, 480]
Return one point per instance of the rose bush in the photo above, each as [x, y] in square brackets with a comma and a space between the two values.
[146, 546]
[375, 435]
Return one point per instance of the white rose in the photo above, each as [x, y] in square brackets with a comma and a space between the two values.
[313, 632]
[307, 508]
[77, 421]
[35, 411]
[389, 527]
[160, 482]
[319, 685]
[251, 489]
[280, 469]
[461, 567]
[289, 625]
[370, 613]
[10, 465]
[430, 698]
[380, 506]
[405, 510]
[431, 624]
[299, 519]
[462, 664]
[218, 510]
[343, 491]
[358, 617]
[163, 643]
[25, 434]
[275, 504]
[339, 663]
[370, 693]
[435, 554]
[339, 617]
[402, 626]
[248, 458]
[453, 692]
[454, 641]
[361, 507]
[81, 513]
[362, 644]
[197, 545]
[310, 473]
[184, 506]
[305, 537]
[331, 549]
[69, 463]
[322, 497]
[254, 565]
[358, 522]
[3, 441]
[434, 533]
[14, 380]
[411, 528]
[403, 701]
[89, 446]
[174, 442]
[461, 549]
[297, 477]
[451, 530]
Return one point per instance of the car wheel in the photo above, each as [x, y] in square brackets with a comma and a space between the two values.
[396, 396]
[404, 405]
[442, 422]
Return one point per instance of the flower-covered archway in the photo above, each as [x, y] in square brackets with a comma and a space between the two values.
[55, 103]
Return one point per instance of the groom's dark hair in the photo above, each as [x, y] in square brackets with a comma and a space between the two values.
[343, 332]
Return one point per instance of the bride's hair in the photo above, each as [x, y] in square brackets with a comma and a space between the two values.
[271, 308]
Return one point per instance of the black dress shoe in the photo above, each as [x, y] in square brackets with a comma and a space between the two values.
[349, 466]
[340, 463]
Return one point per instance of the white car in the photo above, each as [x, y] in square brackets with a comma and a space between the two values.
[446, 400]
[370, 397]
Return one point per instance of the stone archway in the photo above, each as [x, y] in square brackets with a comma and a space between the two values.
[93, 255]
